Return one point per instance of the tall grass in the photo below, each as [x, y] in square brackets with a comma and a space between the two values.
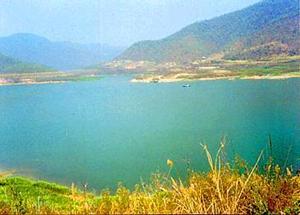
[226, 188]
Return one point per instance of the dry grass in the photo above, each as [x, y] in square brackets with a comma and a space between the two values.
[224, 189]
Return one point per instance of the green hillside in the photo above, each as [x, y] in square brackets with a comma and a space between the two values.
[10, 65]
[263, 29]
[281, 37]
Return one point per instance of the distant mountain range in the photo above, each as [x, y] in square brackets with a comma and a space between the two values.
[58, 55]
[270, 27]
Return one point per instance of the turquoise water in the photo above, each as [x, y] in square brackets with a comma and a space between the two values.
[107, 131]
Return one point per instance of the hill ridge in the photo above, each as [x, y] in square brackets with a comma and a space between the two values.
[217, 35]
[59, 55]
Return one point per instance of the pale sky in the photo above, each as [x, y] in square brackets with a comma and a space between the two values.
[114, 22]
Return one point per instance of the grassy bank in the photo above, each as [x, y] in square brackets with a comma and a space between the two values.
[226, 188]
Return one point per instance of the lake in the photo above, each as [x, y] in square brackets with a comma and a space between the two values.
[106, 131]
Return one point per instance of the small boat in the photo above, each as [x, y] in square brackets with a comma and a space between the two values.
[186, 85]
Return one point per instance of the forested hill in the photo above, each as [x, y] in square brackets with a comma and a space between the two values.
[270, 27]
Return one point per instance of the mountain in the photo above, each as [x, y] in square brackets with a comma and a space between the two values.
[59, 55]
[263, 29]
[11, 65]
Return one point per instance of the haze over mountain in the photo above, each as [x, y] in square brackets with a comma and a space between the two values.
[59, 55]
[270, 27]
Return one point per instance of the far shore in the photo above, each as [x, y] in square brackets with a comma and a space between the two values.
[44, 78]
[162, 79]
[30, 83]
[174, 78]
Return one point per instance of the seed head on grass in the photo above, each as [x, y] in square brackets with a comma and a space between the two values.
[170, 163]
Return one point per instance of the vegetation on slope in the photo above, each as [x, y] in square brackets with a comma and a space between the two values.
[10, 65]
[226, 188]
[279, 38]
[269, 21]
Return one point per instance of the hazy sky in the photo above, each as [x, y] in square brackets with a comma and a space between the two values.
[115, 22]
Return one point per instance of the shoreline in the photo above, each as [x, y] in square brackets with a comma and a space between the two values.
[45, 78]
[32, 83]
[161, 79]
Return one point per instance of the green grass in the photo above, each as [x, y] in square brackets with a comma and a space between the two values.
[25, 195]
[226, 188]
[268, 68]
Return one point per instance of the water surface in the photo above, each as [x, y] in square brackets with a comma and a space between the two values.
[111, 130]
